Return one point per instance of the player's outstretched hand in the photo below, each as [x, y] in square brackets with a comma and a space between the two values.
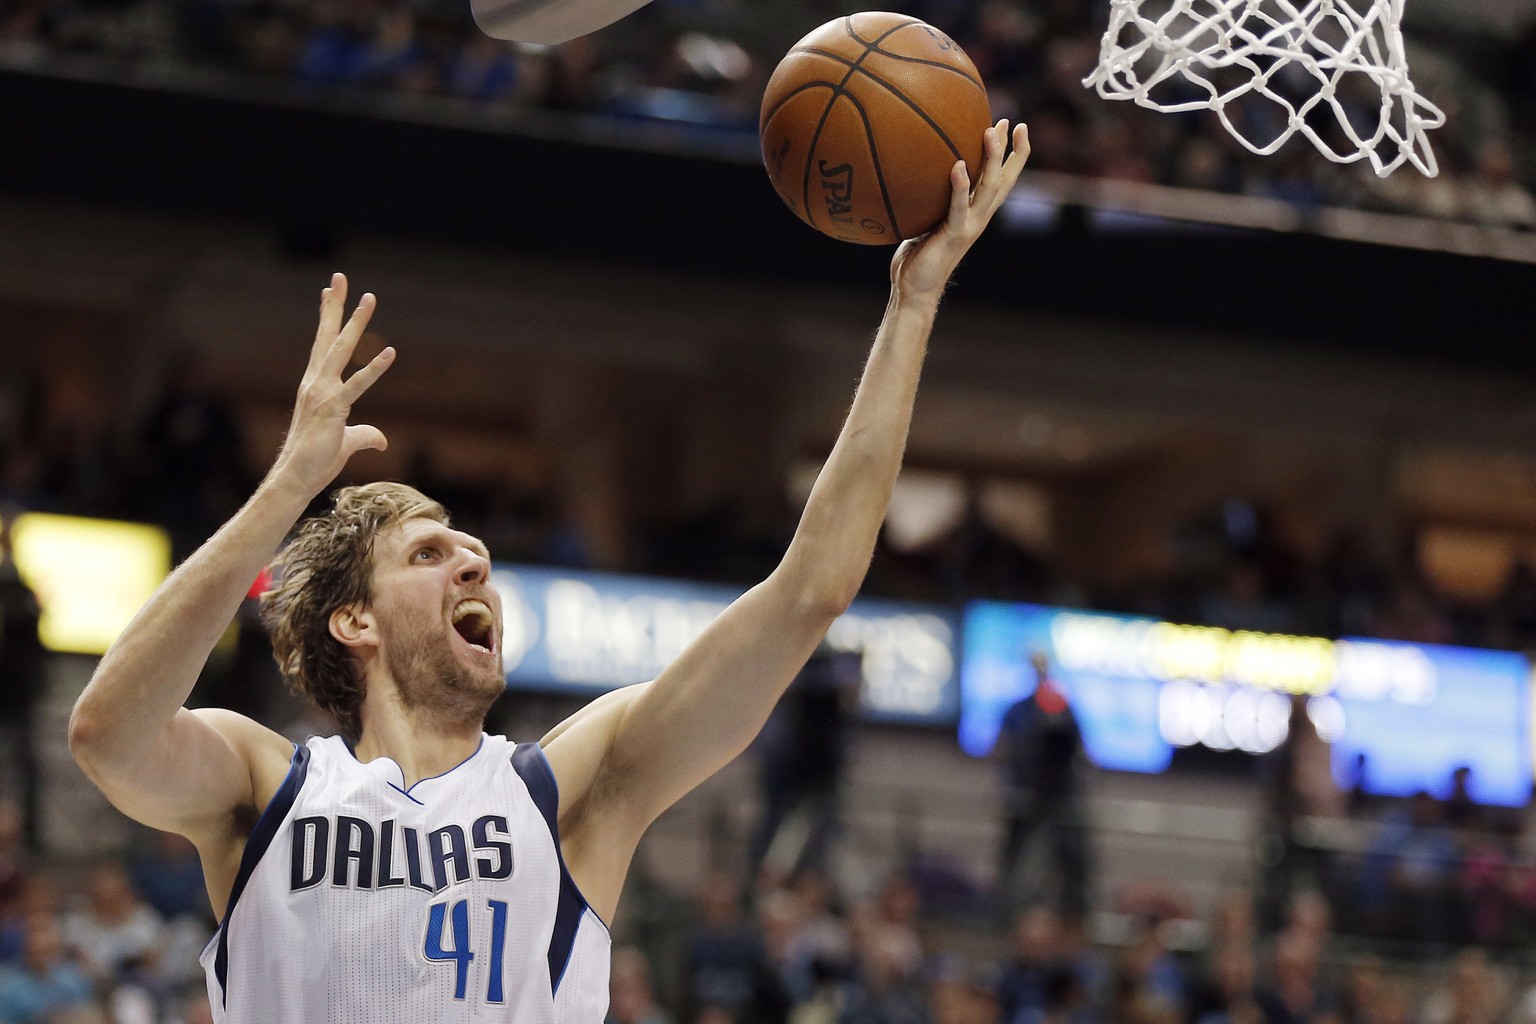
[922, 265]
[320, 441]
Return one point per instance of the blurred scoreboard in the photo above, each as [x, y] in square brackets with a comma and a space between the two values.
[1143, 688]
[587, 632]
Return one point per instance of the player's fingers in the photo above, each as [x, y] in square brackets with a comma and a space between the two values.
[364, 435]
[341, 349]
[1020, 155]
[959, 195]
[995, 144]
[1008, 176]
[331, 310]
[332, 300]
[323, 337]
[359, 383]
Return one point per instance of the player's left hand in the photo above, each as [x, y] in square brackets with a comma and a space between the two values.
[922, 265]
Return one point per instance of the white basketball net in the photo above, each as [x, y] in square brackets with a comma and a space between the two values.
[1311, 58]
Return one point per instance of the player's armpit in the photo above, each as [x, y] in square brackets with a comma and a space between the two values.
[207, 767]
[603, 706]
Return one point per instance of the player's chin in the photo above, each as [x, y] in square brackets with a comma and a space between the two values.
[487, 674]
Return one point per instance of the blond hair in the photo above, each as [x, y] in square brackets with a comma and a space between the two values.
[329, 565]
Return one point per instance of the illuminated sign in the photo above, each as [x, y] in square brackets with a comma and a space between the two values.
[1142, 688]
[589, 632]
[90, 575]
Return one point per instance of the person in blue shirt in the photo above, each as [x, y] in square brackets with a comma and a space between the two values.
[46, 982]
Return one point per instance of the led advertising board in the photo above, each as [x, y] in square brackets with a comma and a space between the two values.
[587, 632]
[1142, 688]
[90, 575]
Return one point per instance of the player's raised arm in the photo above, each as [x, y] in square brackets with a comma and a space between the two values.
[187, 771]
[629, 760]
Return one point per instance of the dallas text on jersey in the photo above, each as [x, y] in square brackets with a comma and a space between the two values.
[356, 854]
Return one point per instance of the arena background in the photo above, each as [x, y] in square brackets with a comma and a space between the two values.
[1174, 384]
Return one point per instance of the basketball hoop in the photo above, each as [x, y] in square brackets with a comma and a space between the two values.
[1312, 59]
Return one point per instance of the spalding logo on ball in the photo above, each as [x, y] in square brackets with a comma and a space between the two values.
[862, 122]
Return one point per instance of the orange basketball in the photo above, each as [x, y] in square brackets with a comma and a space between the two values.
[862, 121]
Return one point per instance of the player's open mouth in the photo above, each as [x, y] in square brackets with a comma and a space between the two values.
[475, 624]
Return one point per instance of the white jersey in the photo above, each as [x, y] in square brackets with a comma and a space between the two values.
[362, 901]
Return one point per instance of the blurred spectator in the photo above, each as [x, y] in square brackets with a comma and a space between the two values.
[802, 751]
[1036, 940]
[1364, 998]
[1310, 919]
[631, 998]
[1298, 782]
[885, 987]
[1474, 992]
[45, 985]
[1231, 996]
[1232, 921]
[113, 931]
[22, 668]
[961, 992]
[1461, 811]
[781, 918]
[1040, 747]
[725, 966]
[1298, 983]
[1155, 970]
[1406, 884]
[169, 877]
[38, 898]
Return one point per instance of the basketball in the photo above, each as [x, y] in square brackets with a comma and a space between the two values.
[862, 121]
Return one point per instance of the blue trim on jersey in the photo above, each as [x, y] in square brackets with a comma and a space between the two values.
[478, 747]
[404, 792]
[533, 766]
[255, 848]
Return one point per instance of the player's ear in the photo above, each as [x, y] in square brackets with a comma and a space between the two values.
[353, 625]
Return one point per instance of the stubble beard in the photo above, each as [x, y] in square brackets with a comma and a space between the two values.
[434, 684]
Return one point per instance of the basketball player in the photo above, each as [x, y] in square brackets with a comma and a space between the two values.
[414, 869]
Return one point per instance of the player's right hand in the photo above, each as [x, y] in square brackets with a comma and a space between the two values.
[320, 441]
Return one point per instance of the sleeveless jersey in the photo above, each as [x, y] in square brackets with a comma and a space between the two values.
[362, 901]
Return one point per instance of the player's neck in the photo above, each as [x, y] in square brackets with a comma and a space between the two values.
[422, 749]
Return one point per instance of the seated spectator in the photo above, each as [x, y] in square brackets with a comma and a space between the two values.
[884, 987]
[1231, 994]
[961, 992]
[38, 897]
[114, 930]
[631, 997]
[1367, 996]
[1298, 982]
[170, 879]
[46, 984]
[1036, 935]
[1154, 971]
[1472, 993]
[724, 966]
